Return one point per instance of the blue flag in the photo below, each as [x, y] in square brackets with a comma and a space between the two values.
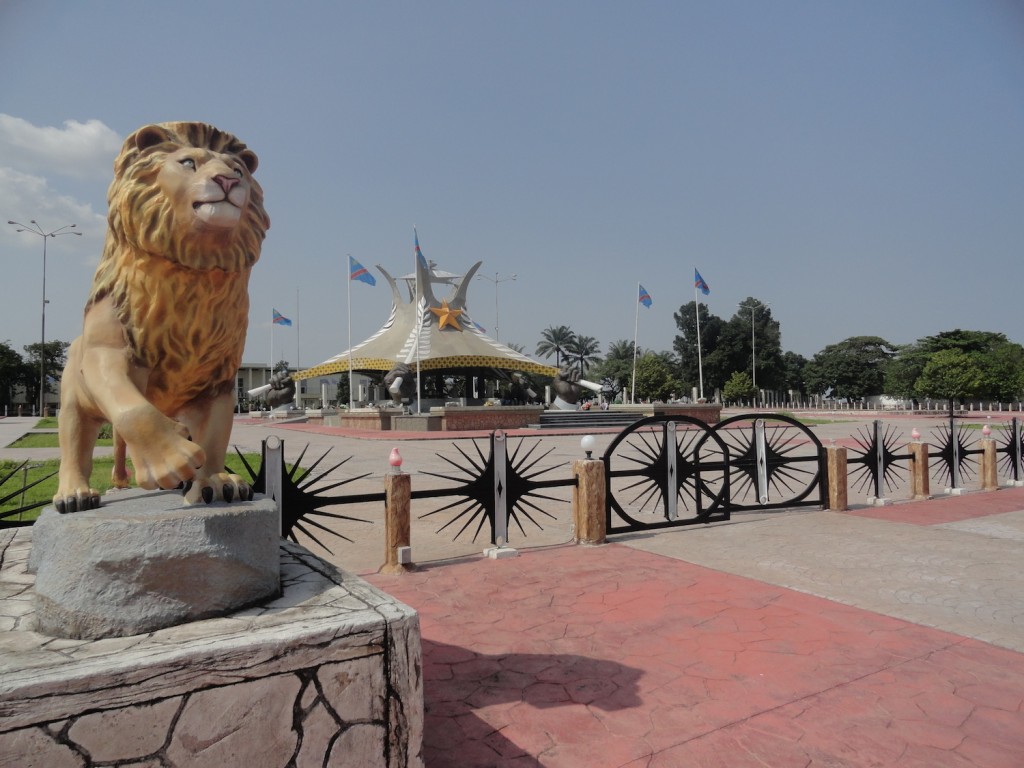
[357, 271]
[419, 254]
[699, 282]
[645, 297]
[280, 319]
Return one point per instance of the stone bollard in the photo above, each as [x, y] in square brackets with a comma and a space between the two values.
[397, 538]
[919, 487]
[835, 460]
[989, 465]
[588, 502]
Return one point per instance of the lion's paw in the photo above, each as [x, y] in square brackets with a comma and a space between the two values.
[77, 500]
[222, 486]
[166, 463]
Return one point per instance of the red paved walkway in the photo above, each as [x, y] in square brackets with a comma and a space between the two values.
[949, 509]
[609, 656]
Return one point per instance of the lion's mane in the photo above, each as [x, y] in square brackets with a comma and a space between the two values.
[183, 301]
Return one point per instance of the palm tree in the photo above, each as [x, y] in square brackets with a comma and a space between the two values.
[555, 340]
[622, 350]
[585, 349]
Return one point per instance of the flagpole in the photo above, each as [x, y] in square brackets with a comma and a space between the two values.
[298, 330]
[636, 326]
[349, 292]
[700, 364]
[419, 320]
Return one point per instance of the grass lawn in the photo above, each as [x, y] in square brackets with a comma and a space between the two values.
[50, 439]
[47, 440]
[44, 491]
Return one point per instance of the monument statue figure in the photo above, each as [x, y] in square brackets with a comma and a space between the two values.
[400, 383]
[165, 323]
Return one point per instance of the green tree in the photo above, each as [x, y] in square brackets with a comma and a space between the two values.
[13, 372]
[54, 357]
[853, 368]
[753, 336]
[711, 359]
[554, 341]
[729, 346]
[902, 371]
[950, 374]
[655, 377]
[1000, 361]
[616, 370]
[793, 372]
[585, 351]
[1003, 372]
[739, 387]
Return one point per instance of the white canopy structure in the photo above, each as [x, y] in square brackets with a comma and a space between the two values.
[427, 334]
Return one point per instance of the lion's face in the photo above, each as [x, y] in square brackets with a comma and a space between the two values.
[185, 192]
[207, 191]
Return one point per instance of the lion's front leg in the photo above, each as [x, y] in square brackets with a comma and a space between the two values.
[78, 431]
[209, 422]
[160, 448]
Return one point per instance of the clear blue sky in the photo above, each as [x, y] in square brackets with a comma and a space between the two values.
[857, 165]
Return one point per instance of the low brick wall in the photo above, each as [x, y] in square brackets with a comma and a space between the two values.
[371, 419]
[709, 413]
[458, 418]
[455, 418]
[421, 423]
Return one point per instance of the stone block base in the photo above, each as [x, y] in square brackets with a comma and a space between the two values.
[145, 560]
[330, 673]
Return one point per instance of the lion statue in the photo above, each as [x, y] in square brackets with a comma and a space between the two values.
[165, 323]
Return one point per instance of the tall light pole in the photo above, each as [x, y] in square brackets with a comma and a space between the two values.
[497, 280]
[753, 343]
[35, 229]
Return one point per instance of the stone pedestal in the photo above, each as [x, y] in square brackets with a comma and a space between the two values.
[588, 502]
[329, 673]
[420, 423]
[145, 560]
[919, 481]
[835, 460]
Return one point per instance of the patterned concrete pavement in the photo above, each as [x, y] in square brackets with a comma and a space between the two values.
[609, 656]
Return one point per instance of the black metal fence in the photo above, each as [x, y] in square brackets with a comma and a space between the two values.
[662, 471]
[666, 471]
[954, 448]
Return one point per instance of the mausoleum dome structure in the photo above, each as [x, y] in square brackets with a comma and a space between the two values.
[429, 334]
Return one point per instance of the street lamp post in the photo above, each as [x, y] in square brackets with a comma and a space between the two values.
[753, 344]
[35, 229]
[497, 280]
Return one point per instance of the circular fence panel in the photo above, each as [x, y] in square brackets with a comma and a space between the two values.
[774, 462]
[664, 471]
[674, 470]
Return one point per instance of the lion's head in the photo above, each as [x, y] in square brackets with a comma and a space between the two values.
[183, 192]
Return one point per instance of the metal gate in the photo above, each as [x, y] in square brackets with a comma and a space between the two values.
[667, 471]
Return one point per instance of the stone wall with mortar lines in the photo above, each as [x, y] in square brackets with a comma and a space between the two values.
[330, 673]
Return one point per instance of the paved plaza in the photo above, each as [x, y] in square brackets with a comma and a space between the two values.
[879, 636]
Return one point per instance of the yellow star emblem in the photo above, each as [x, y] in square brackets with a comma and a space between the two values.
[447, 316]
